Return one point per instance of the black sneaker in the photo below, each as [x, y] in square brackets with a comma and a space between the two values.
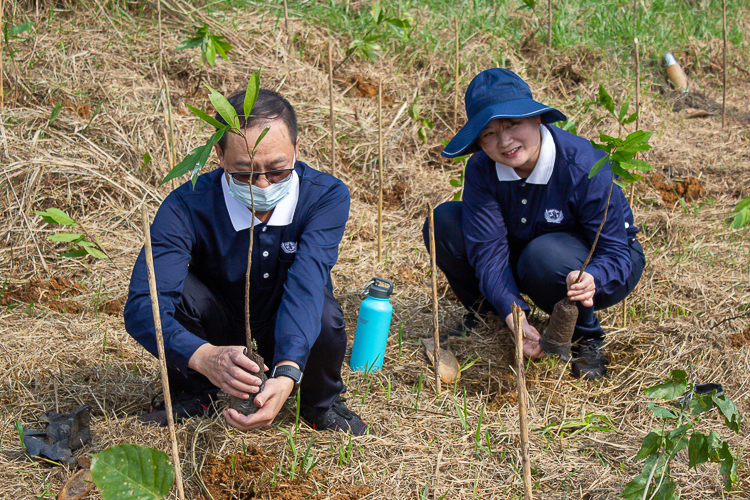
[467, 325]
[336, 418]
[182, 408]
[590, 360]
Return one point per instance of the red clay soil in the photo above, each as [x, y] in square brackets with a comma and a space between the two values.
[740, 339]
[54, 293]
[240, 477]
[690, 189]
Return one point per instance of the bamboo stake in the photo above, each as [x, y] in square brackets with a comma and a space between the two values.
[455, 84]
[637, 127]
[724, 91]
[330, 93]
[286, 23]
[522, 402]
[433, 279]
[2, 74]
[549, 24]
[161, 46]
[160, 348]
[380, 168]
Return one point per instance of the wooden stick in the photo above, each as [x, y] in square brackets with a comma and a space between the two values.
[161, 46]
[160, 348]
[724, 91]
[330, 94]
[637, 127]
[286, 23]
[455, 85]
[2, 75]
[522, 402]
[170, 124]
[380, 168]
[549, 24]
[433, 279]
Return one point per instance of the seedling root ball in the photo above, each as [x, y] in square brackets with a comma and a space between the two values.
[247, 406]
[558, 334]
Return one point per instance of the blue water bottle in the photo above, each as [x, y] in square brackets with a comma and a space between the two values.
[373, 324]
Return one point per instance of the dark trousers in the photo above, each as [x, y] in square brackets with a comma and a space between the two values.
[540, 271]
[204, 314]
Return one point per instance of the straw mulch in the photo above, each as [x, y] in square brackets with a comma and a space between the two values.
[63, 342]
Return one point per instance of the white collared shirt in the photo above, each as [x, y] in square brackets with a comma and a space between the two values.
[544, 164]
[241, 216]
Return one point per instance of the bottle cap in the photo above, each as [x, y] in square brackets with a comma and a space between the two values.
[669, 59]
[378, 291]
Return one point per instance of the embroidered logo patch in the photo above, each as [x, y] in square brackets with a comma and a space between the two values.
[289, 247]
[553, 216]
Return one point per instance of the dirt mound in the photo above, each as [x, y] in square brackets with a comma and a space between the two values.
[55, 294]
[740, 339]
[690, 189]
[256, 475]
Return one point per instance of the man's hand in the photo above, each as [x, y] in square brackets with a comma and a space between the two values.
[531, 346]
[225, 367]
[584, 290]
[269, 401]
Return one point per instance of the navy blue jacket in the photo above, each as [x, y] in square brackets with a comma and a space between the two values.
[192, 230]
[501, 218]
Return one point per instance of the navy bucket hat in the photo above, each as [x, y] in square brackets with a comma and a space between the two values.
[496, 93]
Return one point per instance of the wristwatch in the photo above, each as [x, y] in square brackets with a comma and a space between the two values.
[287, 371]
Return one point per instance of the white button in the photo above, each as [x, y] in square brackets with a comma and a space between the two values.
[627, 225]
[523, 220]
[265, 254]
[266, 276]
[523, 202]
[264, 228]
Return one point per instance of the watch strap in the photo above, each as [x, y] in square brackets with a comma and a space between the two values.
[287, 371]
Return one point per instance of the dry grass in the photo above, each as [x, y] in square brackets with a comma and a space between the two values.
[697, 273]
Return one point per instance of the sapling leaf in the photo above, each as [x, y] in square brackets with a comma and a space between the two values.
[637, 138]
[622, 155]
[651, 444]
[190, 43]
[422, 134]
[80, 252]
[205, 116]
[251, 92]
[743, 204]
[624, 109]
[133, 472]
[59, 217]
[630, 119]
[187, 164]
[55, 113]
[714, 445]
[203, 158]
[598, 166]
[226, 110]
[221, 47]
[260, 137]
[146, 160]
[95, 252]
[455, 182]
[700, 403]
[19, 28]
[602, 147]
[606, 100]
[728, 466]
[697, 450]
[641, 165]
[66, 237]
[634, 489]
[661, 412]
[210, 52]
[669, 390]
[667, 489]
[741, 218]
[729, 410]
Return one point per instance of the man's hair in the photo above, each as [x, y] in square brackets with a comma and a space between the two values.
[269, 106]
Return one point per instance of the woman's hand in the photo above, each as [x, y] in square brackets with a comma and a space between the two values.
[582, 291]
[531, 346]
[269, 401]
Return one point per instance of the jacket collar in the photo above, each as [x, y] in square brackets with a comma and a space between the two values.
[544, 164]
[242, 217]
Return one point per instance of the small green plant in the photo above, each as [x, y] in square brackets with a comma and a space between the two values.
[308, 461]
[741, 216]
[459, 183]
[131, 471]
[81, 244]
[590, 421]
[369, 44]
[661, 445]
[621, 115]
[209, 43]
[12, 33]
[424, 123]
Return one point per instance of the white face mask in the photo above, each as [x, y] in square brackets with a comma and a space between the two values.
[264, 198]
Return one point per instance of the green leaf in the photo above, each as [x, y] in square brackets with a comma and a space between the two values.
[47, 218]
[624, 109]
[422, 134]
[715, 444]
[455, 182]
[75, 253]
[226, 110]
[95, 252]
[186, 165]
[637, 138]
[728, 466]
[19, 28]
[210, 52]
[697, 450]
[630, 119]
[641, 165]
[190, 43]
[67, 237]
[661, 412]
[729, 410]
[251, 92]
[205, 116]
[133, 472]
[700, 403]
[605, 99]
[740, 219]
[260, 137]
[221, 47]
[651, 444]
[634, 489]
[669, 390]
[743, 204]
[60, 217]
[55, 113]
[667, 488]
[598, 166]
[398, 23]
[414, 112]
[146, 160]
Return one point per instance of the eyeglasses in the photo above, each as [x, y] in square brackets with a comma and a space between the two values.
[272, 176]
